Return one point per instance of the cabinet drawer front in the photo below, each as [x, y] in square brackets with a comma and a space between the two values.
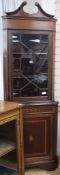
[42, 109]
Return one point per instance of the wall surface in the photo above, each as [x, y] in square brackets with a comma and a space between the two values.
[57, 51]
[57, 67]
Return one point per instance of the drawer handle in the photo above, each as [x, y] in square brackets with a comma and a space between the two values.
[31, 138]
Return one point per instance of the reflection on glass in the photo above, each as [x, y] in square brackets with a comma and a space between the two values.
[15, 38]
[30, 65]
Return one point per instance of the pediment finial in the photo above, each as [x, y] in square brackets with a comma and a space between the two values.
[27, 10]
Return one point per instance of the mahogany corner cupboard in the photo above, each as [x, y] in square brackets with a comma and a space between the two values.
[29, 51]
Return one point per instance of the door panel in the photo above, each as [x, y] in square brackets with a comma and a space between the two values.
[37, 138]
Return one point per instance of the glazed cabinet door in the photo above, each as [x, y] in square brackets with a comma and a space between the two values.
[38, 137]
[29, 61]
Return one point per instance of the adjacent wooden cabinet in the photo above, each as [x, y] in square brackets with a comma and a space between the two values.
[11, 136]
[29, 44]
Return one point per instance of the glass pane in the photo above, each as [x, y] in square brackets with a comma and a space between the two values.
[16, 93]
[27, 65]
[40, 64]
[16, 64]
[41, 81]
[30, 91]
[31, 41]
[15, 42]
[16, 83]
[30, 65]
[44, 38]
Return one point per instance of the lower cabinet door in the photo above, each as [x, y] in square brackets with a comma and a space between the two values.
[38, 133]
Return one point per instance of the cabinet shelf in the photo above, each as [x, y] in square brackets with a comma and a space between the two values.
[25, 53]
[39, 88]
[6, 146]
[29, 76]
[8, 163]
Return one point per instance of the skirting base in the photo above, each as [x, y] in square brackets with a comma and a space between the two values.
[49, 164]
